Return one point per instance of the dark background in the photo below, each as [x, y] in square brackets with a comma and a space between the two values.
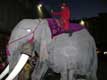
[93, 12]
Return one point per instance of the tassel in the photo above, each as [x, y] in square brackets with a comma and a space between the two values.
[31, 40]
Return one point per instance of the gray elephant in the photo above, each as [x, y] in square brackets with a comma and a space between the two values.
[74, 57]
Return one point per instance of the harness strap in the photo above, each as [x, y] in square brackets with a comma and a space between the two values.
[30, 40]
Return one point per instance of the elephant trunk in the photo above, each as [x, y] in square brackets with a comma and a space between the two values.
[26, 50]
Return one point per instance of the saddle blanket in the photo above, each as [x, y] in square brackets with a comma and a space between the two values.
[56, 27]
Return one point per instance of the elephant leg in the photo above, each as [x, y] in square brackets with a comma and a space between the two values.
[92, 76]
[71, 74]
[67, 74]
[93, 71]
[64, 75]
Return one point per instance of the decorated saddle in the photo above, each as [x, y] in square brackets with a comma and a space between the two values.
[56, 27]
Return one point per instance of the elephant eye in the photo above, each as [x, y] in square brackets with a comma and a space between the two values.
[28, 30]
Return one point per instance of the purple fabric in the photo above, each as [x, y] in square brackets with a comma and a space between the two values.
[75, 27]
[56, 29]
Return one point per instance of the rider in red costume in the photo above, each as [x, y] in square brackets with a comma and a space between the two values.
[64, 14]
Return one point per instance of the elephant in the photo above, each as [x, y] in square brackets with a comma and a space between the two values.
[74, 57]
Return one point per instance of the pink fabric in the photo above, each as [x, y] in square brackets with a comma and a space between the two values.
[1, 67]
[7, 52]
[31, 40]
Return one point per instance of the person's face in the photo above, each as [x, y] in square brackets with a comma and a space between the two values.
[62, 7]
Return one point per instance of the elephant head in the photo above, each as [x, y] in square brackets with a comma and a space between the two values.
[27, 36]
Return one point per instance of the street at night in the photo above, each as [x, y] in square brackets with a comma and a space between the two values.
[35, 54]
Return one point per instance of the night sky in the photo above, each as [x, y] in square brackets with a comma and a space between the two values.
[79, 8]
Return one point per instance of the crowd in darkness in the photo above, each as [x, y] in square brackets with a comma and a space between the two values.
[3, 57]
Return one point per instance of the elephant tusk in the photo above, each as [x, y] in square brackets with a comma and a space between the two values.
[4, 72]
[22, 61]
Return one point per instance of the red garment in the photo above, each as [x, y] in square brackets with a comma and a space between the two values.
[64, 16]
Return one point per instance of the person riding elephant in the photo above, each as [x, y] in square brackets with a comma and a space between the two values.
[64, 14]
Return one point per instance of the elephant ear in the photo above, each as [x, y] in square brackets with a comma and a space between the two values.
[43, 50]
[45, 40]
